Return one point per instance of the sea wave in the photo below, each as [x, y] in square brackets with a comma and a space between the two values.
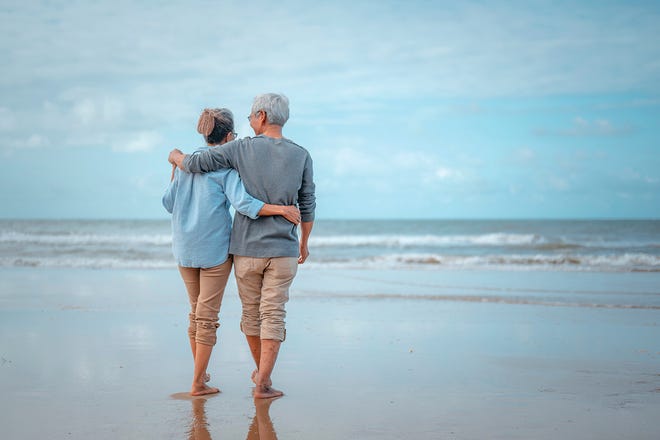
[628, 262]
[87, 263]
[394, 241]
[12, 237]
[613, 262]
[446, 246]
[533, 241]
[496, 239]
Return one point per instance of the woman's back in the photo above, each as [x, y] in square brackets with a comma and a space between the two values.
[201, 222]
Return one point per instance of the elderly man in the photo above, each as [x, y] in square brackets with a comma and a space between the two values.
[266, 250]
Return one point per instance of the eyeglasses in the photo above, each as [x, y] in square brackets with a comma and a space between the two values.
[234, 134]
[255, 114]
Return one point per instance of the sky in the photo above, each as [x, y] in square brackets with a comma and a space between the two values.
[410, 109]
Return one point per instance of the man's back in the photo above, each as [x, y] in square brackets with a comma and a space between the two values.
[276, 171]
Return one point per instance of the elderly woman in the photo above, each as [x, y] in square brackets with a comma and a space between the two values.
[201, 227]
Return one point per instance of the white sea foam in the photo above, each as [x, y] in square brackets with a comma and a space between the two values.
[477, 240]
[613, 262]
[622, 262]
[9, 237]
[328, 241]
[88, 263]
[497, 239]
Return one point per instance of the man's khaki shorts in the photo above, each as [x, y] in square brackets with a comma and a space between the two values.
[263, 285]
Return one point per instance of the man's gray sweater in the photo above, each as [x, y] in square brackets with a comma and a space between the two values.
[277, 171]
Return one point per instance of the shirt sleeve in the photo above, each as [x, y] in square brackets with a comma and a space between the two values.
[306, 193]
[212, 159]
[170, 192]
[239, 197]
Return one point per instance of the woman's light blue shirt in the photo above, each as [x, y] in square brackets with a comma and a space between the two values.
[201, 222]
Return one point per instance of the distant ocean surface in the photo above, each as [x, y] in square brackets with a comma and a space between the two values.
[548, 245]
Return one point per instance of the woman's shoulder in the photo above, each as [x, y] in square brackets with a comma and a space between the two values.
[199, 150]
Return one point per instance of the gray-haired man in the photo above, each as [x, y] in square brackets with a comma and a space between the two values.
[266, 250]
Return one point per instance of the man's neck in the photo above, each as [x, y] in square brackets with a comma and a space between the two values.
[273, 131]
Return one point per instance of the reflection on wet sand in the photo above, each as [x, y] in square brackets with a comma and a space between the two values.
[199, 425]
[262, 426]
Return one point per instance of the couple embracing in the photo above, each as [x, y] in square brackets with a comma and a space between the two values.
[269, 181]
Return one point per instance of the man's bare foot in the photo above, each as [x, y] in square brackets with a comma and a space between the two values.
[266, 392]
[202, 390]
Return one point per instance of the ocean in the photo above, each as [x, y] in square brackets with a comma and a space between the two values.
[435, 245]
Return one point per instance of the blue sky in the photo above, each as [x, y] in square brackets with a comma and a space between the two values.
[420, 109]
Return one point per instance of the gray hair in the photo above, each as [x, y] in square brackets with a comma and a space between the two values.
[276, 107]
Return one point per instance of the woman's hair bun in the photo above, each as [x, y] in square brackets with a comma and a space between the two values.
[206, 122]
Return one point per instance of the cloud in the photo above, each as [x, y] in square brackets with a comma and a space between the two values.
[471, 49]
[630, 175]
[108, 78]
[379, 102]
[85, 117]
[444, 173]
[558, 183]
[139, 142]
[36, 141]
[585, 128]
[387, 169]
[89, 110]
[525, 155]
[7, 119]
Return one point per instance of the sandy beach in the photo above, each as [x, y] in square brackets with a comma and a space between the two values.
[383, 355]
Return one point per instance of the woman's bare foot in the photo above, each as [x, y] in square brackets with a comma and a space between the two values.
[254, 377]
[266, 392]
[202, 390]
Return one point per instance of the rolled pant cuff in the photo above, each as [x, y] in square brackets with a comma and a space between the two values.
[203, 332]
[275, 334]
[278, 334]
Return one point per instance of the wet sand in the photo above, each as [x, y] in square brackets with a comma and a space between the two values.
[429, 355]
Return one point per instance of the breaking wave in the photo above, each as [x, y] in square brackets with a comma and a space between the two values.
[628, 262]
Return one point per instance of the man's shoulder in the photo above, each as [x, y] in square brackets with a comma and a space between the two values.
[277, 141]
[296, 145]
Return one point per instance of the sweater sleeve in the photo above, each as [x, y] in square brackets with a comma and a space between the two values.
[306, 193]
[212, 159]
[239, 197]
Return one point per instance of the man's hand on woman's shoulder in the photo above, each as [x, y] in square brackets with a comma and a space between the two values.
[176, 158]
